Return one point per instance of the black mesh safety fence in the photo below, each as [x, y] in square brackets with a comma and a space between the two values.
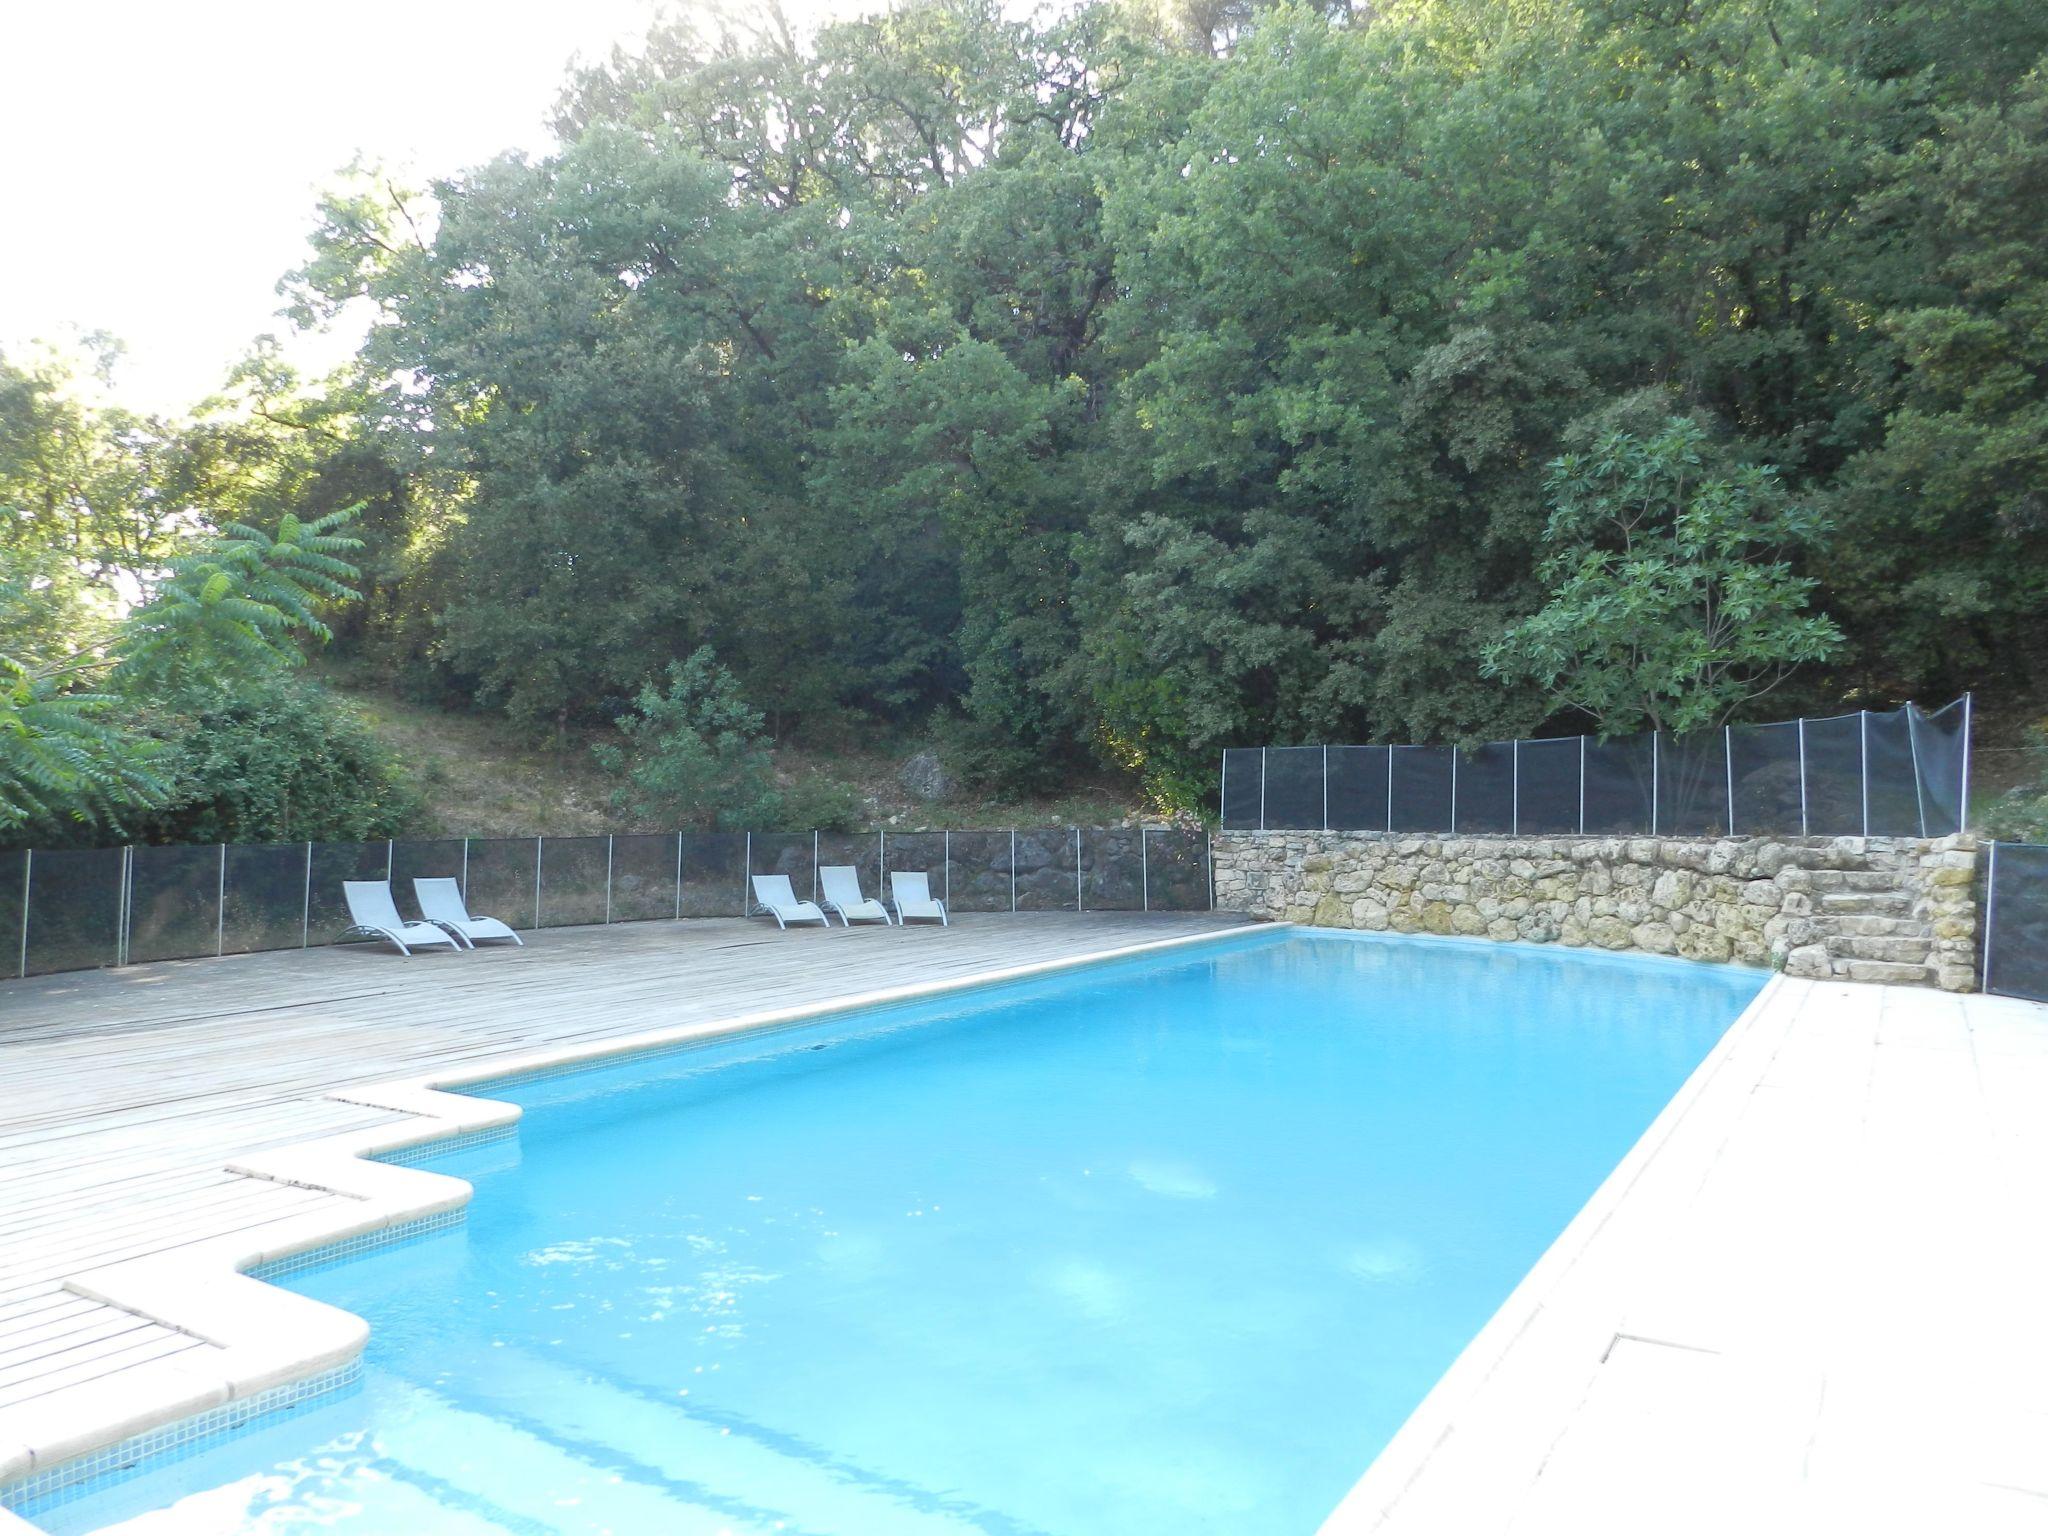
[1293, 799]
[1896, 807]
[1048, 869]
[1833, 776]
[1243, 790]
[1692, 784]
[1112, 870]
[74, 909]
[266, 893]
[1176, 870]
[978, 871]
[175, 902]
[1486, 789]
[1421, 797]
[912, 853]
[441, 858]
[78, 909]
[504, 880]
[715, 873]
[1877, 773]
[575, 880]
[1763, 772]
[793, 855]
[2015, 960]
[1547, 781]
[327, 919]
[1357, 790]
[645, 871]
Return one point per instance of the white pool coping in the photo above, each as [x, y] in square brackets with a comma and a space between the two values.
[266, 1335]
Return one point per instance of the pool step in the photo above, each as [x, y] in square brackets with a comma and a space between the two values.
[632, 1444]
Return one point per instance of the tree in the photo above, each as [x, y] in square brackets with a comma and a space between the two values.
[1673, 603]
[693, 755]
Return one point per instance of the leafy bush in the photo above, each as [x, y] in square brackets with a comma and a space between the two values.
[2020, 815]
[272, 758]
[694, 754]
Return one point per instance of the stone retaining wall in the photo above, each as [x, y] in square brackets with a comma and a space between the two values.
[1899, 910]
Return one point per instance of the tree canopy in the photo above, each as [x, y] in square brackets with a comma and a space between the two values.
[1118, 386]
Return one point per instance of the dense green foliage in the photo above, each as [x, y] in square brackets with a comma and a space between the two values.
[144, 690]
[1120, 386]
[1672, 607]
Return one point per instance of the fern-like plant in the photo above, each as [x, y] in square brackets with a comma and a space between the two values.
[60, 757]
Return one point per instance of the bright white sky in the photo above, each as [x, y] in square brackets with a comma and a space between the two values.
[158, 161]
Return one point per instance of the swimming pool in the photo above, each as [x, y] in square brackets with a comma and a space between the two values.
[1167, 1245]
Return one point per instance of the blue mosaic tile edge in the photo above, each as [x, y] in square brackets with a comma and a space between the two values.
[352, 1247]
[88, 1474]
[426, 1151]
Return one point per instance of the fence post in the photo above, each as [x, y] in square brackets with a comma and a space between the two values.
[1077, 869]
[679, 877]
[1454, 791]
[1990, 912]
[1262, 790]
[1963, 825]
[1515, 789]
[1209, 858]
[1013, 869]
[306, 902]
[220, 909]
[1582, 786]
[1326, 788]
[465, 871]
[1390, 788]
[390, 850]
[1223, 788]
[608, 877]
[816, 883]
[1656, 774]
[946, 853]
[28, 866]
[1863, 743]
[1145, 863]
[1802, 776]
[1728, 756]
[124, 897]
[746, 874]
[539, 853]
[1919, 782]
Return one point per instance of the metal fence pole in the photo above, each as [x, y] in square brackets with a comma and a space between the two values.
[28, 869]
[746, 873]
[124, 892]
[390, 851]
[1454, 791]
[1145, 863]
[679, 877]
[1077, 869]
[1326, 789]
[1728, 755]
[465, 871]
[608, 877]
[539, 853]
[1990, 911]
[1223, 788]
[1209, 854]
[1919, 781]
[946, 853]
[1515, 790]
[1963, 824]
[1863, 739]
[1013, 869]
[1582, 786]
[1390, 787]
[220, 908]
[306, 903]
[816, 879]
[1802, 776]
[1655, 775]
[1262, 789]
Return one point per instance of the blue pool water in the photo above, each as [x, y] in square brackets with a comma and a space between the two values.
[1164, 1246]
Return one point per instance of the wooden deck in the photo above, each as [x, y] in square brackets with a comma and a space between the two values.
[124, 1094]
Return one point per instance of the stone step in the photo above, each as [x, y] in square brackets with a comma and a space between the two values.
[1831, 880]
[1873, 927]
[1887, 971]
[1890, 903]
[1902, 951]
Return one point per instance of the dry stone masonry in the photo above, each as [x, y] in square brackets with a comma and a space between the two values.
[1899, 910]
